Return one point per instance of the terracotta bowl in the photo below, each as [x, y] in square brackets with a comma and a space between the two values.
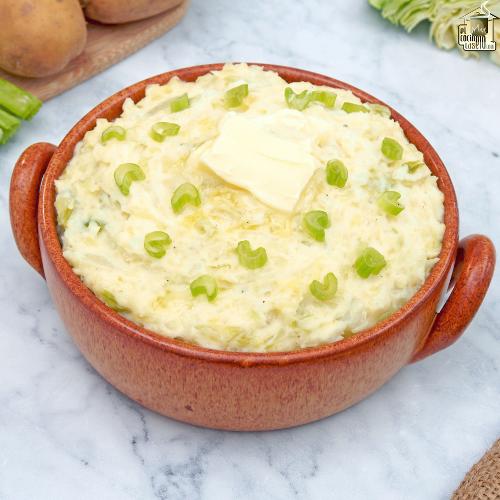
[243, 391]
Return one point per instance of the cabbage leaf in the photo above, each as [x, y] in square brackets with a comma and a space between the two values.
[443, 16]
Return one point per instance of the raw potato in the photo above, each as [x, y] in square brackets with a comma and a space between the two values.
[115, 12]
[39, 37]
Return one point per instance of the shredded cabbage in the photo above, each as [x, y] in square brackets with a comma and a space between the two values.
[443, 15]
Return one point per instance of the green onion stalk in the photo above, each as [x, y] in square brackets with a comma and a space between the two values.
[8, 126]
[16, 104]
[17, 101]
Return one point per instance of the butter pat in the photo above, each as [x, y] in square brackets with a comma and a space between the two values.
[269, 156]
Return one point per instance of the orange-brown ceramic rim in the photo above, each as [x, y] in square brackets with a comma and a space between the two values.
[111, 108]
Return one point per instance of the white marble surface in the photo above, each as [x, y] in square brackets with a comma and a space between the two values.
[66, 434]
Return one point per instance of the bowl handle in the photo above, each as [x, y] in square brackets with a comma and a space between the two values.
[471, 276]
[23, 200]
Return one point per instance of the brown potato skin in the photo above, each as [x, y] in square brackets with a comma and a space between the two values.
[117, 11]
[39, 37]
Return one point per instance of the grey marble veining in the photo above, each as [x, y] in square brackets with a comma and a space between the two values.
[66, 434]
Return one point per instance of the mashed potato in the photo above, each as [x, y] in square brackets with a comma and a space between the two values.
[270, 308]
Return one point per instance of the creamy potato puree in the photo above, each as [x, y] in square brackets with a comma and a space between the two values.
[256, 181]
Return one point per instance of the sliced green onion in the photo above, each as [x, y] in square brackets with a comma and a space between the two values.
[369, 262]
[325, 290]
[324, 97]
[391, 149]
[184, 194]
[251, 259]
[127, 173]
[388, 202]
[315, 223]
[351, 107]
[18, 101]
[179, 103]
[204, 285]
[113, 132]
[413, 166]
[109, 299]
[336, 173]
[380, 109]
[8, 126]
[234, 97]
[161, 130]
[297, 101]
[302, 100]
[156, 243]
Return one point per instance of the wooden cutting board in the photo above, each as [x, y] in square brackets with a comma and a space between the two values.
[106, 45]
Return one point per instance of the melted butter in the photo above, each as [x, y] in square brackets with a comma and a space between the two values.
[270, 156]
